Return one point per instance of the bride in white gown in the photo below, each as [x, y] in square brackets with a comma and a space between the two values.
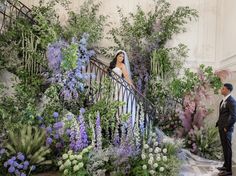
[123, 91]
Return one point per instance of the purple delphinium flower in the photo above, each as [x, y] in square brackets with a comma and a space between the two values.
[83, 134]
[49, 130]
[22, 174]
[116, 140]
[58, 125]
[98, 133]
[75, 138]
[49, 141]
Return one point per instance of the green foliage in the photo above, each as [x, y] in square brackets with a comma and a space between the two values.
[47, 26]
[144, 35]
[190, 80]
[174, 23]
[106, 107]
[70, 55]
[206, 143]
[30, 141]
[86, 21]
[167, 62]
[20, 108]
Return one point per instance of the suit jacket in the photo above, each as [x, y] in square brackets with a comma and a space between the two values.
[227, 114]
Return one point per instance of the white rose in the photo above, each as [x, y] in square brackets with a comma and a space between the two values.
[164, 150]
[161, 169]
[150, 161]
[150, 155]
[145, 146]
[144, 167]
[143, 156]
[152, 172]
[67, 163]
[155, 144]
[155, 165]
[150, 150]
[164, 158]
[158, 158]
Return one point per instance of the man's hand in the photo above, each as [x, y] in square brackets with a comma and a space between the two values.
[225, 130]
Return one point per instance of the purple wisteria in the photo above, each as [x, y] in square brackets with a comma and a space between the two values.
[72, 78]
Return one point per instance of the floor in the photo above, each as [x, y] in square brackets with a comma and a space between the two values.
[197, 166]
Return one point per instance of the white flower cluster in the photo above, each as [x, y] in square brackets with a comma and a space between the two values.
[154, 156]
[72, 163]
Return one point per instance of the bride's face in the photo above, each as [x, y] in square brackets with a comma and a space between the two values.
[120, 57]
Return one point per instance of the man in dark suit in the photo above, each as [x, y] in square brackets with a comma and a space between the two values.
[225, 123]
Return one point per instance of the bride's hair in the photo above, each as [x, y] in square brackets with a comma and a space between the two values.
[113, 62]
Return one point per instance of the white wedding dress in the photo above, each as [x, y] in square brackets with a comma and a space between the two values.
[124, 93]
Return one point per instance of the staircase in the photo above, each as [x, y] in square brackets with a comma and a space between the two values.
[142, 108]
[10, 10]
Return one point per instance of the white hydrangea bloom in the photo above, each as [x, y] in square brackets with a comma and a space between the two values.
[66, 172]
[71, 157]
[67, 163]
[65, 156]
[79, 157]
[70, 152]
[81, 164]
[59, 163]
[74, 162]
[76, 168]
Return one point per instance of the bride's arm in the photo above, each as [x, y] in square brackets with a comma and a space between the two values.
[126, 75]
